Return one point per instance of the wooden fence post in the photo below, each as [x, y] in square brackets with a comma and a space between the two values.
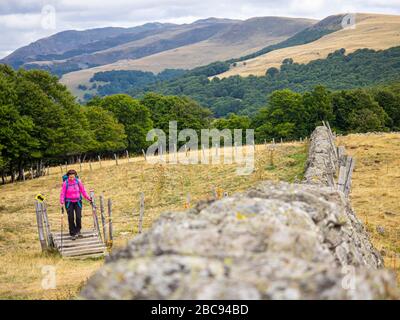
[236, 151]
[188, 200]
[99, 158]
[342, 178]
[160, 151]
[39, 221]
[103, 218]
[127, 155]
[175, 153]
[141, 212]
[49, 236]
[80, 165]
[144, 154]
[94, 211]
[23, 175]
[349, 173]
[110, 226]
[116, 159]
[214, 193]
[90, 165]
[204, 153]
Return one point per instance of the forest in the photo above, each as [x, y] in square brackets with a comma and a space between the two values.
[41, 122]
[246, 95]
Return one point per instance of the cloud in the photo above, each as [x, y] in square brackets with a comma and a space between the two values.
[21, 21]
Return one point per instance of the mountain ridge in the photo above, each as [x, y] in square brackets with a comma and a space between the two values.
[372, 31]
[186, 45]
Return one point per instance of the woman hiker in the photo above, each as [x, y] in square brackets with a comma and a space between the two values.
[71, 196]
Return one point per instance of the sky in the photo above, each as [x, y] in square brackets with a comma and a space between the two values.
[25, 21]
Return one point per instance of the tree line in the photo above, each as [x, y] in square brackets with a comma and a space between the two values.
[290, 115]
[246, 95]
[42, 124]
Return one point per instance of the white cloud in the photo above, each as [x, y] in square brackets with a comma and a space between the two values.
[20, 20]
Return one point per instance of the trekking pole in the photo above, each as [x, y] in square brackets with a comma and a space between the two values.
[62, 227]
[94, 212]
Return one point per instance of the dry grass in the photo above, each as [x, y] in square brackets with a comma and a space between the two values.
[165, 187]
[374, 31]
[375, 191]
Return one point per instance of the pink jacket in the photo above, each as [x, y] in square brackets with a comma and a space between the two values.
[74, 191]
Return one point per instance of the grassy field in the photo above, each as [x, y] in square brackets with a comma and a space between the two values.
[165, 186]
[375, 190]
[373, 31]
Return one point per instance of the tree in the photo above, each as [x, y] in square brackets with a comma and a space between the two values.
[134, 116]
[188, 113]
[17, 137]
[109, 135]
[272, 72]
[390, 102]
[357, 111]
[318, 105]
[232, 122]
[286, 107]
[59, 121]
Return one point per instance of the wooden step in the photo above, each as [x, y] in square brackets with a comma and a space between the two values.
[66, 235]
[93, 246]
[82, 231]
[65, 238]
[72, 243]
[88, 246]
[82, 252]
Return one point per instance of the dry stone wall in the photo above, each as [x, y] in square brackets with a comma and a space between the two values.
[275, 241]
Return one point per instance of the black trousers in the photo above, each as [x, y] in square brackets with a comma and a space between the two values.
[74, 217]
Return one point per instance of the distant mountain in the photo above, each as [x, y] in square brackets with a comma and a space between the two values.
[154, 46]
[71, 43]
[372, 31]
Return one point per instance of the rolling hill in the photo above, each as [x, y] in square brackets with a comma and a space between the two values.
[236, 39]
[372, 31]
[152, 47]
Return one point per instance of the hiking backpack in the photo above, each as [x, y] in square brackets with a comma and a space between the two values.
[65, 179]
